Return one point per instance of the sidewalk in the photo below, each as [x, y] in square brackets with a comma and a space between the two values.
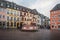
[10, 29]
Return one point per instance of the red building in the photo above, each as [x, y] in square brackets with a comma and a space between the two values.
[55, 17]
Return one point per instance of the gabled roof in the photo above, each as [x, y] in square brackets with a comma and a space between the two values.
[57, 7]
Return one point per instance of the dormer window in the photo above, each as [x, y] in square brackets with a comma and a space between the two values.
[8, 5]
[14, 7]
[20, 8]
[17, 8]
[1, 4]
[27, 10]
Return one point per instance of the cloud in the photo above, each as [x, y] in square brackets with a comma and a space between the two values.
[23, 2]
[44, 6]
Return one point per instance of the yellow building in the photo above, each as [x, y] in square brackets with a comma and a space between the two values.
[13, 18]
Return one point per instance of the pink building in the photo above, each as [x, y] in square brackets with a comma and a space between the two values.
[2, 17]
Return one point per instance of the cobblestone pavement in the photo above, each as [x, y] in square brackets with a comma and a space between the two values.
[41, 34]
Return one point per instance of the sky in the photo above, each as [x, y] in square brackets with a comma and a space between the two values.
[42, 6]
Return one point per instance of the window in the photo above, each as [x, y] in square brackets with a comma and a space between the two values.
[53, 12]
[14, 6]
[7, 23]
[11, 18]
[27, 14]
[14, 18]
[20, 8]
[58, 15]
[20, 13]
[22, 18]
[17, 8]
[8, 6]
[58, 26]
[23, 9]
[7, 17]
[0, 16]
[11, 23]
[24, 13]
[14, 23]
[25, 19]
[8, 12]
[15, 13]
[11, 13]
[1, 4]
[27, 10]
[55, 16]
[17, 19]
[0, 23]
[52, 26]
[0, 9]
[4, 23]
[58, 20]
[3, 16]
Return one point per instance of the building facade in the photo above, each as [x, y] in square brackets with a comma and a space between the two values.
[38, 17]
[11, 13]
[55, 17]
[2, 17]
[44, 22]
[15, 15]
[30, 18]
